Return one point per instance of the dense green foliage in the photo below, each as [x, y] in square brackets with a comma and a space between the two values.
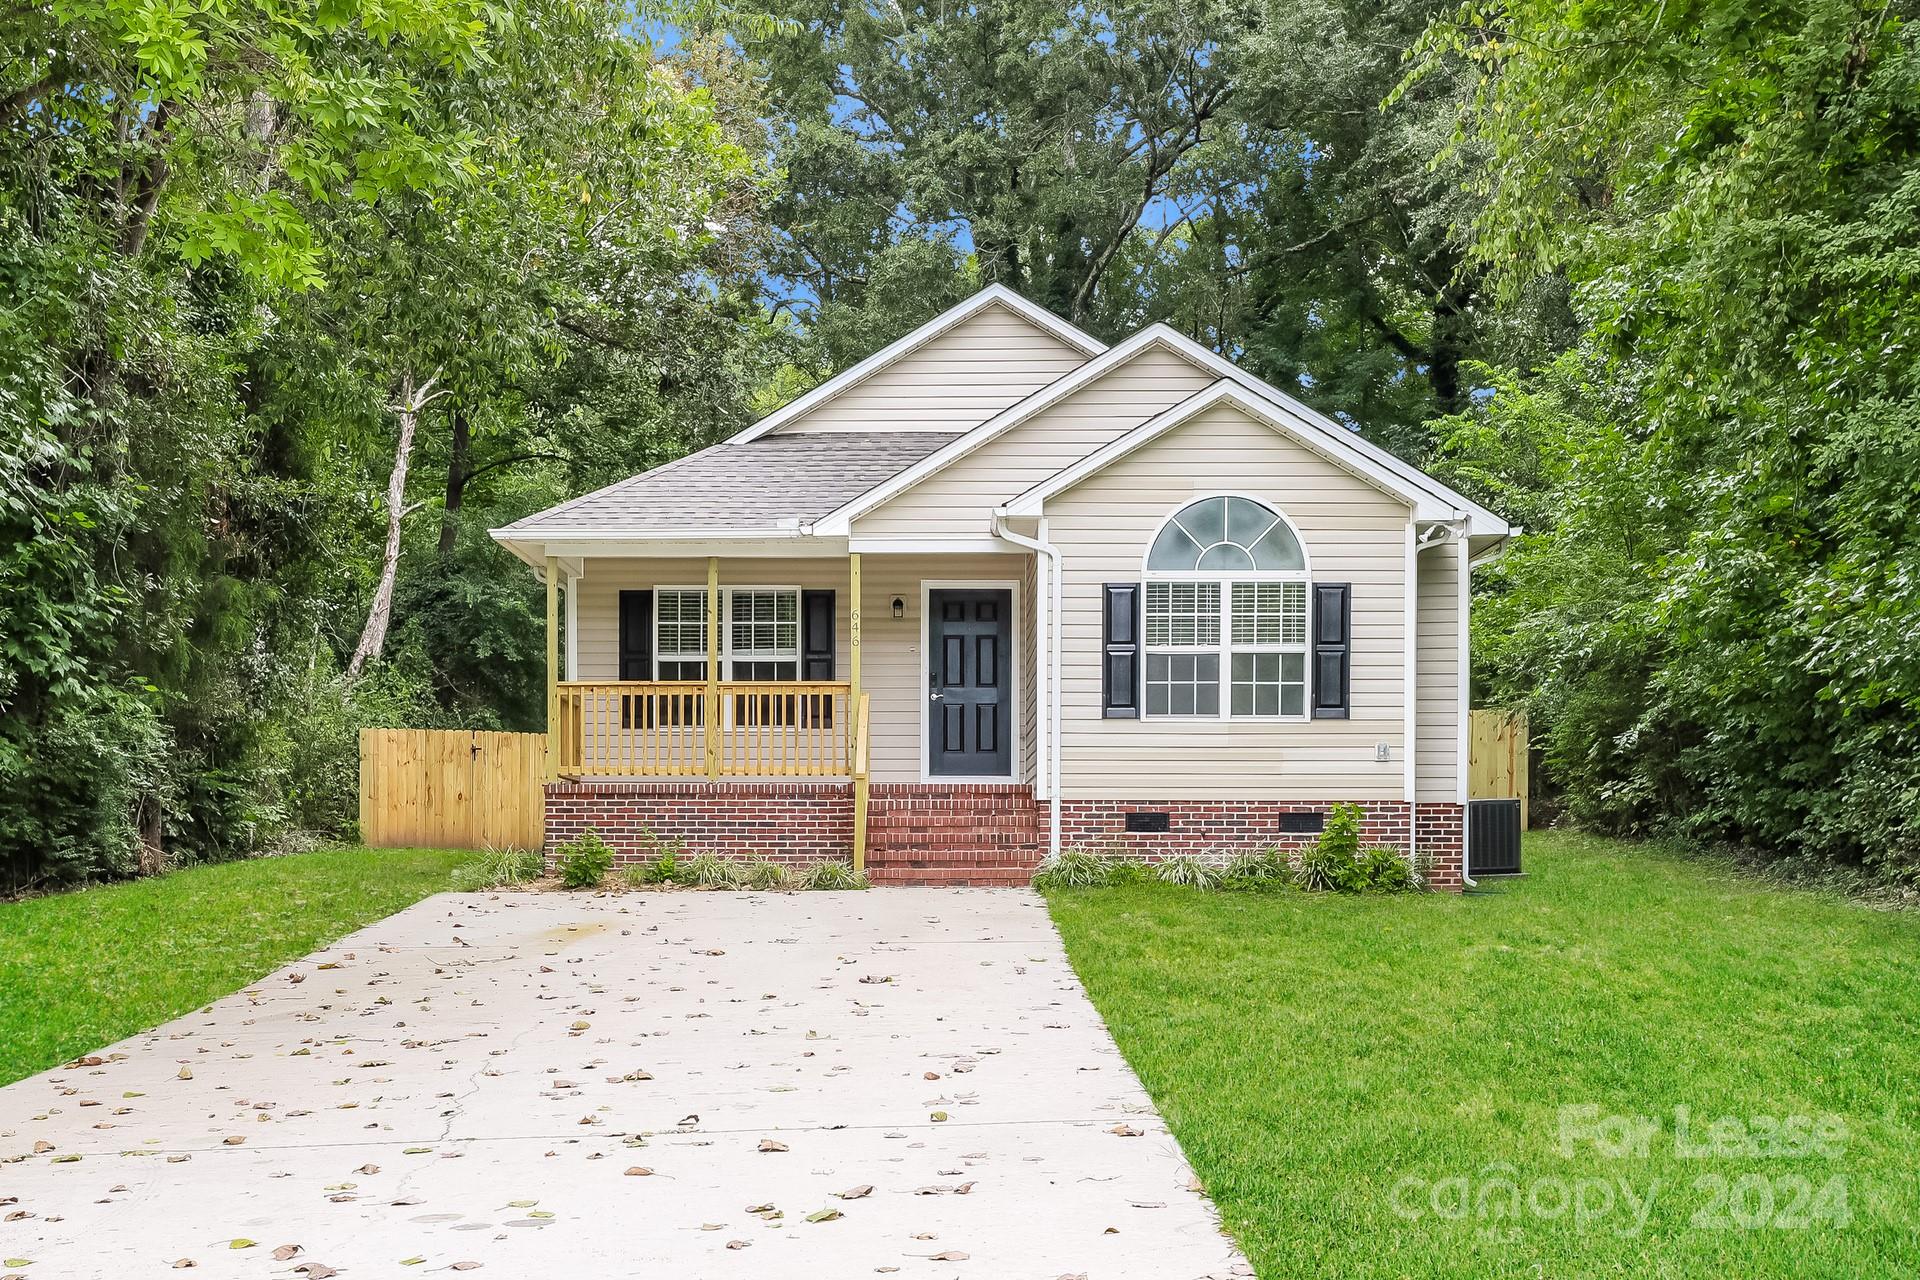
[1433, 1039]
[294, 305]
[232, 241]
[1716, 616]
[84, 970]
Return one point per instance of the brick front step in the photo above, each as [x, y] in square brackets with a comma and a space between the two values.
[1029, 857]
[951, 877]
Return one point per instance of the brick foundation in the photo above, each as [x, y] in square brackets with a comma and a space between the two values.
[937, 833]
[1440, 831]
[1218, 828]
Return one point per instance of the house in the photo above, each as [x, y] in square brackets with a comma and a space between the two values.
[1000, 589]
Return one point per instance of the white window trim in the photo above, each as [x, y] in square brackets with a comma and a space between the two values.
[726, 629]
[1226, 648]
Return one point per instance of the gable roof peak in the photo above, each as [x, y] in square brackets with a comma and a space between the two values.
[993, 295]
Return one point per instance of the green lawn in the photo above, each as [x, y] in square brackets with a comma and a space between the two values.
[1361, 1082]
[84, 969]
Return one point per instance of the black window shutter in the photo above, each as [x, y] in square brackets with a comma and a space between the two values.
[1120, 651]
[636, 650]
[816, 635]
[636, 635]
[1332, 649]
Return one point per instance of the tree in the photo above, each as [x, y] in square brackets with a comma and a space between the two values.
[1015, 141]
[1733, 191]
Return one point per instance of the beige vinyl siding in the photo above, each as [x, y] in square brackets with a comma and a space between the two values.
[1352, 532]
[1437, 683]
[958, 500]
[890, 649]
[956, 381]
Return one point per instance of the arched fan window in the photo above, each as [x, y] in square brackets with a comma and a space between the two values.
[1226, 613]
[1226, 534]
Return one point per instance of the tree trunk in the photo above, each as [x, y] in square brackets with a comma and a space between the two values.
[150, 824]
[373, 637]
[457, 455]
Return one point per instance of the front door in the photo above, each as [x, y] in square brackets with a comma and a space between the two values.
[969, 729]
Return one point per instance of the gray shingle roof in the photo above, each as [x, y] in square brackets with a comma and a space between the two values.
[756, 485]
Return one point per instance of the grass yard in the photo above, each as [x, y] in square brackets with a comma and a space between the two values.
[81, 970]
[1364, 1083]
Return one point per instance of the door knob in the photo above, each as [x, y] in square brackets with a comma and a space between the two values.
[934, 697]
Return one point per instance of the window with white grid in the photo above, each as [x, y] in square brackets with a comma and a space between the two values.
[763, 633]
[759, 633]
[1225, 613]
[680, 633]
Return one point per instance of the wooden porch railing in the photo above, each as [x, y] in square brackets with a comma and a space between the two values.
[679, 729]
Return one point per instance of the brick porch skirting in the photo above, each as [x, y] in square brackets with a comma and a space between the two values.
[795, 823]
[1220, 828]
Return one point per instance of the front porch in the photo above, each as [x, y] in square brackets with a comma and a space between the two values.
[795, 707]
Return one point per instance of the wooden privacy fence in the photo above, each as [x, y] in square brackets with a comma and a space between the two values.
[452, 789]
[1497, 758]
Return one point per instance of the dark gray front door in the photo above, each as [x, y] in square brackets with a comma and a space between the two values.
[969, 729]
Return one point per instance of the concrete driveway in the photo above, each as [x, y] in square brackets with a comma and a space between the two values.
[904, 1081]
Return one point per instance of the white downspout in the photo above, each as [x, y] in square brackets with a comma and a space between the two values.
[1050, 668]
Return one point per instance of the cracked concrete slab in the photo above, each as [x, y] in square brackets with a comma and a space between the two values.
[675, 1084]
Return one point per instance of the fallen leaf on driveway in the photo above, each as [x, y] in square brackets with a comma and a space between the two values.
[639, 1171]
[181, 1264]
[860, 1192]
[739, 1244]
[768, 1144]
[1124, 1130]
[825, 1215]
[287, 1253]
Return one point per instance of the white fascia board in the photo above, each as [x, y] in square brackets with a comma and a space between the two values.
[1229, 392]
[910, 545]
[841, 518]
[992, 295]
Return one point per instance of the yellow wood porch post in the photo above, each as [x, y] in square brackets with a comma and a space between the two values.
[853, 633]
[553, 667]
[713, 667]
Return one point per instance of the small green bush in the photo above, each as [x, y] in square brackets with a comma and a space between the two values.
[1127, 871]
[706, 870]
[765, 873]
[833, 875]
[584, 863]
[1260, 871]
[1333, 863]
[1074, 869]
[497, 868]
[1188, 871]
[668, 855]
[1386, 871]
